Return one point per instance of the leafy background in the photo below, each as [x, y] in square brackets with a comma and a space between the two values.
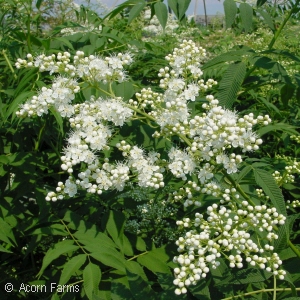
[103, 244]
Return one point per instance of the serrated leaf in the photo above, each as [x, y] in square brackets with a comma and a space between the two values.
[232, 56]
[231, 83]
[91, 279]
[230, 10]
[136, 268]
[59, 249]
[246, 276]
[114, 260]
[266, 181]
[246, 13]
[153, 263]
[243, 173]
[71, 267]
[161, 13]
[95, 238]
[284, 127]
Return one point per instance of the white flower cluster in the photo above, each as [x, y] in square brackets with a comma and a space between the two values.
[181, 163]
[188, 192]
[60, 96]
[94, 179]
[90, 135]
[227, 233]
[98, 69]
[293, 167]
[295, 138]
[149, 174]
[92, 69]
[154, 27]
[293, 204]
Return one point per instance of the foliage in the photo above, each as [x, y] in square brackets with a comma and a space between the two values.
[165, 191]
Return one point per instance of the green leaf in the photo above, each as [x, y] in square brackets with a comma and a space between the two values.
[115, 224]
[173, 4]
[72, 266]
[113, 37]
[112, 259]
[59, 249]
[284, 127]
[136, 268]
[135, 11]
[200, 291]
[246, 276]
[260, 2]
[183, 5]
[6, 233]
[58, 118]
[266, 181]
[13, 107]
[154, 262]
[230, 10]
[124, 90]
[64, 41]
[246, 13]
[267, 18]
[161, 13]
[243, 173]
[2, 249]
[287, 92]
[139, 288]
[232, 56]
[231, 83]
[94, 237]
[26, 81]
[91, 279]
[38, 3]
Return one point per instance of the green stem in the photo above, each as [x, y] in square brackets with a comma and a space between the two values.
[71, 235]
[260, 291]
[37, 144]
[141, 112]
[276, 34]
[294, 248]
[28, 33]
[274, 293]
[9, 64]
[134, 257]
[278, 31]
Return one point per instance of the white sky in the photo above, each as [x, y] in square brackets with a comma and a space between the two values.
[212, 6]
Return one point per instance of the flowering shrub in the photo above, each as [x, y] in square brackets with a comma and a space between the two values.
[130, 172]
[209, 142]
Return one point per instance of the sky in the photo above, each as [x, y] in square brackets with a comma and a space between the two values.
[212, 6]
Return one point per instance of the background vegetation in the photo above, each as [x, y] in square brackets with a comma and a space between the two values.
[121, 245]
